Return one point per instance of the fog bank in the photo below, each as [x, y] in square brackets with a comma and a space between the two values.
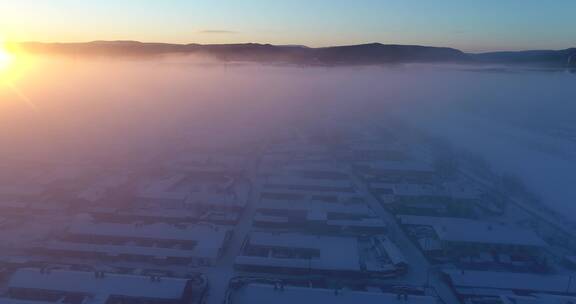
[115, 111]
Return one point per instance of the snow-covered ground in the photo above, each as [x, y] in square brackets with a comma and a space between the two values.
[522, 126]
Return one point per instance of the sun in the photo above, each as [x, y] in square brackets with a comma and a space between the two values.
[12, 63]
[6, 58]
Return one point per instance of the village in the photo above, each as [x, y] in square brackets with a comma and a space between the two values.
[367, 218]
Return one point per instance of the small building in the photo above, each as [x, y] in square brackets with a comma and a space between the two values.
[426, 199]
[473, 284]
[208, 166]
[164, 191]
[287, 294]
[375, 151]
[164, 215]
[187, 192]
[200, 244]
[76, 287]
[315, 254]
[396, 171]
[318, 215]
[459, 236]
[295, 183]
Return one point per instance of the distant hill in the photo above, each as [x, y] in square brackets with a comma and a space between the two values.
[362, 54]
[565, 57]
[376, 53]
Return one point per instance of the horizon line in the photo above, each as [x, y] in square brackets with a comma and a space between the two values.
[288, 45]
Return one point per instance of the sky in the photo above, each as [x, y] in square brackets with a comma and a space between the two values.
[469, 25]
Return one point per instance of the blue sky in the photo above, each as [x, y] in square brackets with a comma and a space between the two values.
[473, 25]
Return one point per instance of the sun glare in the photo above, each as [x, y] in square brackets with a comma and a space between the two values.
[6, 58]
[13, 62]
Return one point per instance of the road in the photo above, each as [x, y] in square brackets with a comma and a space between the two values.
[223, 271]
[420, 271]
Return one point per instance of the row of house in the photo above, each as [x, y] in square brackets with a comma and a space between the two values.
[477, 243]
[38, 286]
[484, 285]
[296, 253]
[280, 293]
[200, 244]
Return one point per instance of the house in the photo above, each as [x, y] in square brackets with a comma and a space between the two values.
[200, 244]
[396, 171]
[286, 294]
[489, 283]
[318, 254]
[78, 287]
[458, 235]
[318, 215]
[426, 198]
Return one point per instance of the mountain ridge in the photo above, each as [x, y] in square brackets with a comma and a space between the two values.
[357, 54]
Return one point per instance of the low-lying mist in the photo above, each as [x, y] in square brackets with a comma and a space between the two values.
[115, 111]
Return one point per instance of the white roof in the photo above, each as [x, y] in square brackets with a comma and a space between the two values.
[156, 252]
[101, 288]
[170, 213]
[161, 188]
[413, 189]
[180, 195]
[297, 148]
[419, 190]
[18, 301]
[309, 205]
[214, 199]
[209, 239]
[463, 191]
[474, 231]
[390, 165]
[327, 167]
[207, 161]
[341, 196]
[392, 250]
[260, 293]
[361, 223]
[510, 280]
[537, 299]
[301, 181]
[377, 145]
[487, 233]
[261, 218]
[432, 220]
[336, 253]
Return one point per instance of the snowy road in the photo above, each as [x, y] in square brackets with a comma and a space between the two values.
[220, 275]
[420, 271]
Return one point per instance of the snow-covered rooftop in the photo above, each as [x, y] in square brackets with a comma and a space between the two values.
[335, 253]
[510, 280]
[133, 250]
[277, 181]
[261, 293]
[474, 231]
[487, 233]
[100, 287]
[209, 239]
[305, 205]
[390, 165]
